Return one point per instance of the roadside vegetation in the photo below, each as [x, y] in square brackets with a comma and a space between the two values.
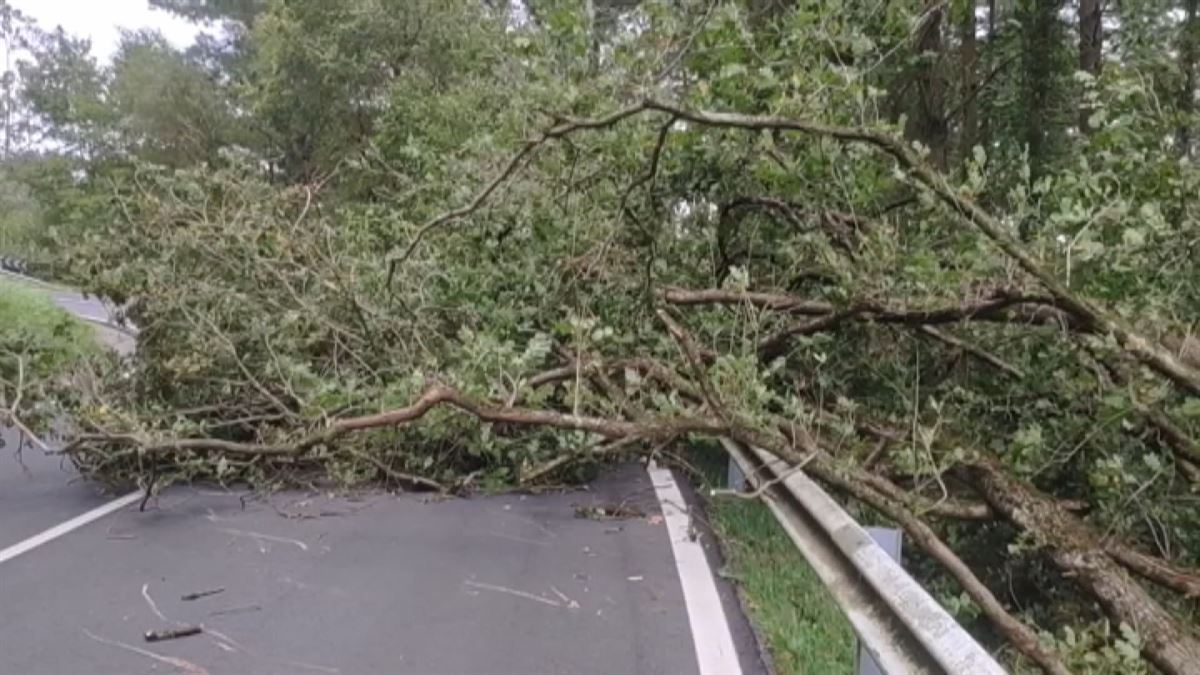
[41, 346]
[943, 253]
[802, 628]
[795, 619]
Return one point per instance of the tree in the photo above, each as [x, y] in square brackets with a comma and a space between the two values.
[1189, 61]
[1091, 49]
[171, 112]
[968, 58]
[15, 29]
[929, 123]
[1043, 81]
[417, 243]
[64, 89]
[242, 12]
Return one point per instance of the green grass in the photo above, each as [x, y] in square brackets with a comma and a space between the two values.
[43, 337]
[803, 629]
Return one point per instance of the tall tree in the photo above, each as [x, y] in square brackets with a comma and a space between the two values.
[929, 124]
[968, 58]
[15, 29]
[170, 111]
[1091, 46]
[1189, 55]
[1044, 80]
[64, 88]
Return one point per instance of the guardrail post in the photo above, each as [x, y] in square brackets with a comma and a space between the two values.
[734, 478]
[889, 540]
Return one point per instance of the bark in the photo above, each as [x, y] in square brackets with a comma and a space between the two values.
[985, 124]
[1038, 82]
[1157, 570]
[991, 307]
[1094, 317]
[929, 124]
[1079, 553]
[440, 395]
[1114, 374]
[1004, 306]
[1091, 45]
[1189, 55]
[968, 56]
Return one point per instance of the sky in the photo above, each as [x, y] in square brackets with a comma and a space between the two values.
[101, 21]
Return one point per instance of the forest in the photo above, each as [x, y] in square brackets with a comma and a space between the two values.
[942, 255]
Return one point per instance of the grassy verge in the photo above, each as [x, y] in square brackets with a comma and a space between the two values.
[803, 630]
[43, 337]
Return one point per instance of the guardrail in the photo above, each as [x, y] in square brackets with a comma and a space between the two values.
[903, 628]
[14, 265]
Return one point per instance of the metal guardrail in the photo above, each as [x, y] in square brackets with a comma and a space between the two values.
[903, 628]
[14, 265]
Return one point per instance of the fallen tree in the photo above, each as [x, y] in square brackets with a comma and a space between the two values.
[610, 290]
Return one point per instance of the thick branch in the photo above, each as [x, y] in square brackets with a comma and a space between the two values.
[976, 352]
[1098, 318]
[1079, 553]
[989, 308]
[442, 395]
[1157, 570]
[1022, 637]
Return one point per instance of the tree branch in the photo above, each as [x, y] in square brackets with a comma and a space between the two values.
[1098, 318]
[1079, 553]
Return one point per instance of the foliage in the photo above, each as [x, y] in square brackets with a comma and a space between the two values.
[41, 346]
[349, 201]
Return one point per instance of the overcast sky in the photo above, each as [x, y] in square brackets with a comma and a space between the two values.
[101, 21]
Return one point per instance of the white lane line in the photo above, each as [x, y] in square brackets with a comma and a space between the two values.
[68, 526]
[715, 652]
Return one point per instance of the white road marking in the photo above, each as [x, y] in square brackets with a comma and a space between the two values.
[102, 510]
[63, 528]
[711, 637]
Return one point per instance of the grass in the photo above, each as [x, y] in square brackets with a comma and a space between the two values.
[803, 630]
[47, 338]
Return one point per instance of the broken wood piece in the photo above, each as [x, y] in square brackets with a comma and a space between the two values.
[609, 512]
[201, 594]
[172, 633]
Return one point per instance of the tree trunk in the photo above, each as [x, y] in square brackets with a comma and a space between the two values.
[968, 61]
[1037, 58]
[1091, 44]
[929, 123]
[1079, 553]
[1189, 54]
[985, 123]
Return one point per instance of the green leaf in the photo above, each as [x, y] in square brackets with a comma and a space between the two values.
[1190, 408]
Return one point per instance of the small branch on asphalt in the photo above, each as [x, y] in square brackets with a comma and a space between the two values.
[201, 594]
[172, 633]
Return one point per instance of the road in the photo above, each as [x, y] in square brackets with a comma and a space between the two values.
[368, 582]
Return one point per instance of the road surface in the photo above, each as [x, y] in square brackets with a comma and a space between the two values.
[369, 582]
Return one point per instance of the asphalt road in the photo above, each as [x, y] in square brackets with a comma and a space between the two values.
[370, 583]
[363, 583]
[37, 492]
